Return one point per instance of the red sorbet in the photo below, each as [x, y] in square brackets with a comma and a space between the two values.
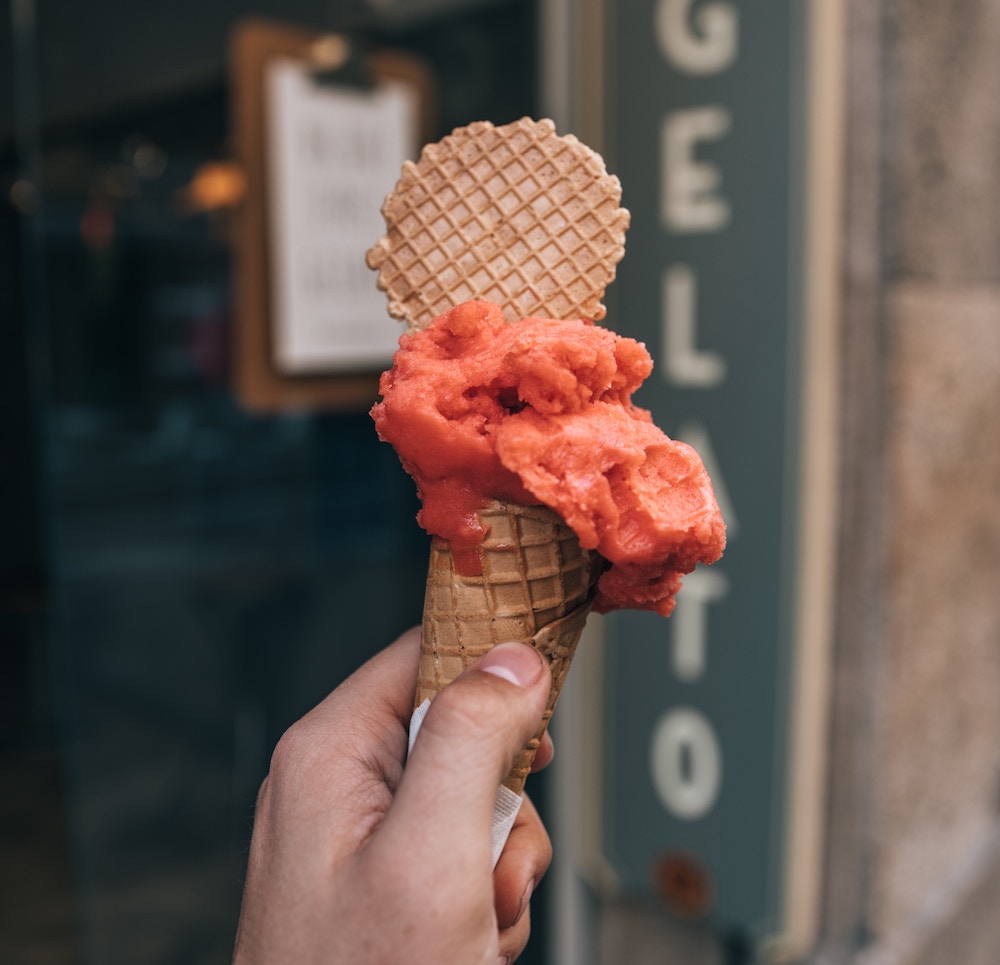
[540, 412]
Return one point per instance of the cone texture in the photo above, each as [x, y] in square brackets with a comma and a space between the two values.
[535, 588]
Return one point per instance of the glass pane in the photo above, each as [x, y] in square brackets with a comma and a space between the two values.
[186, 579]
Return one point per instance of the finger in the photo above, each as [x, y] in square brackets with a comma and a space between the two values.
[386, 683]
[373, 704]
[355, 738]
[524, 861]
[468, 741]
[543, 756]
[513, 940]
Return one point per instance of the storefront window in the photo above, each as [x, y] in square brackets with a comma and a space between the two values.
[185, 578]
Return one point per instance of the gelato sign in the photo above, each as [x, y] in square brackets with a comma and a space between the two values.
[717, 714]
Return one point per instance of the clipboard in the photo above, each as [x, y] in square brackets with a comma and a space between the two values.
[321, 126]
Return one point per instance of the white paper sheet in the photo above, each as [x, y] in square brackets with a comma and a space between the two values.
[334, 152]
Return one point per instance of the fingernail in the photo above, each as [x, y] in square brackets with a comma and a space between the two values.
[503, 960]
[525, 898]
[516, 662]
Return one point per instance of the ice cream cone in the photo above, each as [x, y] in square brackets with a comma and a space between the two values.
[535, 588]
[518, 216]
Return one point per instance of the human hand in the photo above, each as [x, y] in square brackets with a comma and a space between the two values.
[354, 859]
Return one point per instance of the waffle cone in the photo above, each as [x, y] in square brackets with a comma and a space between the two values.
[535, 588]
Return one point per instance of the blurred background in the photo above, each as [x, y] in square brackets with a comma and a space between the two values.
[184, 572]
[182, 579]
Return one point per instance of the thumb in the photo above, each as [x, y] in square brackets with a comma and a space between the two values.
[473, 730]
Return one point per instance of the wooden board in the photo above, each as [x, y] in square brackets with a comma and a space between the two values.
[260, 383]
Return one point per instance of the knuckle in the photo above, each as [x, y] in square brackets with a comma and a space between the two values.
[291, 755]
[263, 793]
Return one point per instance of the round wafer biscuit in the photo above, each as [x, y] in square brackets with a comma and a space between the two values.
[515, 215]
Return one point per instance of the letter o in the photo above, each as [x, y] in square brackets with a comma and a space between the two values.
[685, 763]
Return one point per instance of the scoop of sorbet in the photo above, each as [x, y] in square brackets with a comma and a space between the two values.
[539, 412]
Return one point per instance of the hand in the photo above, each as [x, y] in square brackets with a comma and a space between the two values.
[354, 859]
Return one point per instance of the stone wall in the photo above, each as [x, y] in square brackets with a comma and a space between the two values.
[929, 290]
